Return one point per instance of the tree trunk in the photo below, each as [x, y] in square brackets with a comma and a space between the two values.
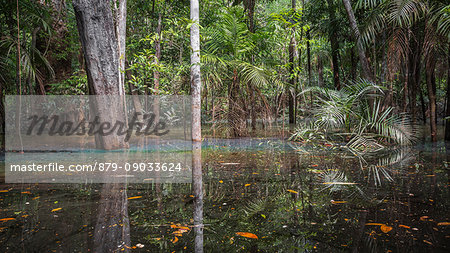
[121, 32]
[156, 74]
[195, 72]
[96, 29]
[447, 114]
[430, 64]
[320, 71]
[367, 73]
[334, 45]
[292, 80]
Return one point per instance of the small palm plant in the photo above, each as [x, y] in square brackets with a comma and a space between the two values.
[356, 115]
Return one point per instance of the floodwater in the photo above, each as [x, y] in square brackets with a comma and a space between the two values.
[251, 195]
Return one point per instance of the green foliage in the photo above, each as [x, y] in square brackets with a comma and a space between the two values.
[75, 85]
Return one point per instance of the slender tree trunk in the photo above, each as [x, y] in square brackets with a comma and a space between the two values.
[334, 44]
[353, 63]
[320, 71]
[422, 102]
[430, 64]
[121, 32]
[96, 29]
[447, 114]
[361, 52]
[292, 80]
[195, 72]
[156, 74]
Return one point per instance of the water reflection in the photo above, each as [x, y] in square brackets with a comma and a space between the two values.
[292, 201]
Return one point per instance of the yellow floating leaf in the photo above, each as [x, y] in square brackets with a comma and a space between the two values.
[374, 224]
[26, 192]
[292, 191]
[248, 235]
[56, 209]
[338, 202]
[7, 219]
[247, 185]
[385, 228]
[4, 191]
[135, 197]
[175, 240]
[445, 223]
[221, 181]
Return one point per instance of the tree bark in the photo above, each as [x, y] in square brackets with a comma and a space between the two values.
[334, 45]
[195, 72]
[367, 73]
[430, 64]
[96, 29]
[447, 114]
[292, 80]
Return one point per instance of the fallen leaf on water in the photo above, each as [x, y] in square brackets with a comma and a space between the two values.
[247, 185]
[7, 219]
[26, 192]
[135, 197]
[221, 181]
[175, 240]
[341, 183]
[385, 228]
[248, 235]
[4, 191]
[314, 165]
[292, 191]
[56, 209]
[338, 202]
[374, 224]
[446, 223]
[425, 241]
[404, 226]
[424, 218]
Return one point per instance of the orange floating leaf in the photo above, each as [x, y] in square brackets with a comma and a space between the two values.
[4, 191]
[425, 241]
[246, 234]
[338, 202]
[445, 223]
[247, 185]
[374, 224]
[175, 240]
[424, 218]
[56, 209]
[135, 197]
[404, 226]
[292, 191]
[7, 219]
[385, 228]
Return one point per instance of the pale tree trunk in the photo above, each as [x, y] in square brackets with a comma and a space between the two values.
[195, 72]
[367, 73]
[121, 32]
[96, 29]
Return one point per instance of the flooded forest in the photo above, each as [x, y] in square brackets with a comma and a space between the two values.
[225, 126]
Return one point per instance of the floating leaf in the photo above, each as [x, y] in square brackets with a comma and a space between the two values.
[339, 183]
[385, 228]
[248, 235]
[292, 191]
[374, 224]
[404, 226]
[4, 191]
[445, 223]
[7, 219]
[425, 241]
[175, 240]
[338, 202]
[221, 181]
[247, 185]
[424, 218]
[135, 197]
[56, 209]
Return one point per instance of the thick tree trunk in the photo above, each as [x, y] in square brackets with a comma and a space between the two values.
[96, 29]
[195, 72]
[367, 73]
[334, 45]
